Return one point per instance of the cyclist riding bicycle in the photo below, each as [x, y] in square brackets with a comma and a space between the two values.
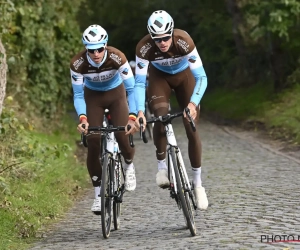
[172, 60]
[97, 74]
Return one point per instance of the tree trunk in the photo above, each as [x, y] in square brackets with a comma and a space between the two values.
[278, 64]
[3, 70]
[237, 20]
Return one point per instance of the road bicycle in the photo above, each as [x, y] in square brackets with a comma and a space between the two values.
[180, 187]
[113, 175]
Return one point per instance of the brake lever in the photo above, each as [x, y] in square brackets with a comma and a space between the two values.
[187, 111]
[83, 137]
[130, 137]
[142, 133]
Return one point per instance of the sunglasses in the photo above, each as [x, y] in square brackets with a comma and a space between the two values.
[99, 50]
[159, 40]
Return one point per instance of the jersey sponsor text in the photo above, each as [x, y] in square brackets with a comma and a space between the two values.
[116, 58]
[78, 62]
[183, 44]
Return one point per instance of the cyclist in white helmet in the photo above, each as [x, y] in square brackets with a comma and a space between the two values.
[97, 75]
[171, 58]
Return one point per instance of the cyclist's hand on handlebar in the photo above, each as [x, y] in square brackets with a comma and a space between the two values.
[81, 129]
[133, 127]
[137, 123]
[193, 111]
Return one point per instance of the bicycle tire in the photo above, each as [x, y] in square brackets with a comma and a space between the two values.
[117, 205]
[185, 203]
[106, 197]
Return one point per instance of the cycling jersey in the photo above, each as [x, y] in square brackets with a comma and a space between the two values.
[109, 74]
[181, 55]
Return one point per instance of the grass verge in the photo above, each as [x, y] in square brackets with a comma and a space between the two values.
[279, 114]
[41, 186]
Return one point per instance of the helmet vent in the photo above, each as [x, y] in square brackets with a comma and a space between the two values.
[86, 38]
[152, 28]
[167, 26]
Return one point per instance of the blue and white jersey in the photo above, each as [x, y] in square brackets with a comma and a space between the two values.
[181, 55]
[109, 74]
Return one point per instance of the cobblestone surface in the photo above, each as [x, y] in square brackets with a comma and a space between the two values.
[252, 191]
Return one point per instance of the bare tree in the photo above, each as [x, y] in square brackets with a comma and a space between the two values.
[3, 70]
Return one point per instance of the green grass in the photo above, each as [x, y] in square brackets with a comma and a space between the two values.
[281, 111]
[236, 104]
[285, 113]
[39, 195]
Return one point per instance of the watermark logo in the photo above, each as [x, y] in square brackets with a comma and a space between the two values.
[277, 238]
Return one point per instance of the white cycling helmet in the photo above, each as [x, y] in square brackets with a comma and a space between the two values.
[94, 37]
[160, 23]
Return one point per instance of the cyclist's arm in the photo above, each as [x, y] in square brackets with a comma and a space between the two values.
[129, 83]
[141, 70]
[198, 71]
[78, 94]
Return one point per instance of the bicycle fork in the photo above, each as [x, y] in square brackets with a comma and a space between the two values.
[181, 167]
[112, 148]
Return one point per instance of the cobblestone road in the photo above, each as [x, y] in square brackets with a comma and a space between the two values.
[252, 192]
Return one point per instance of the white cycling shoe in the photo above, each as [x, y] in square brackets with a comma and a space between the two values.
[96, 207]
[162, 179]
[201, 197]
[130, 180]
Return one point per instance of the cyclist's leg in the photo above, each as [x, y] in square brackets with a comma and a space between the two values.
[183, 92]
[147, 99]
[159, 93]
[119, 117]
[95, 118]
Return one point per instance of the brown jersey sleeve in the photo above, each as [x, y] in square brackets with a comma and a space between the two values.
[77, 62]
[116, 57]
[183, 41]
[143, 47]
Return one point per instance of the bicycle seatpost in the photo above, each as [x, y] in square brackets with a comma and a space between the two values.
[142, 133]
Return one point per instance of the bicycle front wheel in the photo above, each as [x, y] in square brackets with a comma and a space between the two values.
[118, 192]
[106, 196]
[183, 194]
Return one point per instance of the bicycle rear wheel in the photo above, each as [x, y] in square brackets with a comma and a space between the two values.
[106, 196]
[118, 192]
[183, 194]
